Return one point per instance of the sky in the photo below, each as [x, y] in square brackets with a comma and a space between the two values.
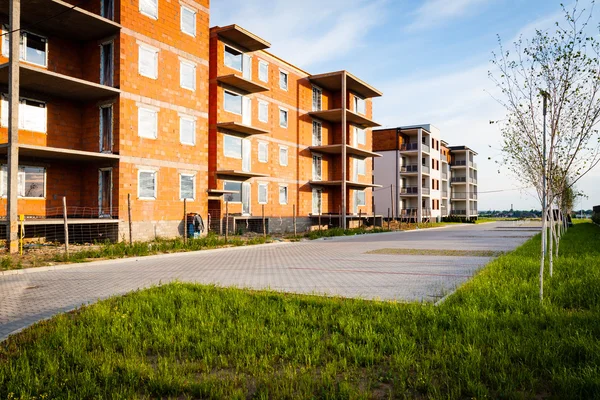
[430, 58]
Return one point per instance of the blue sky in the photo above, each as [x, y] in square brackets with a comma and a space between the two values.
[429, 57]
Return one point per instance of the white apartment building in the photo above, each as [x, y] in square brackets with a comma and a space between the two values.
[415, 172]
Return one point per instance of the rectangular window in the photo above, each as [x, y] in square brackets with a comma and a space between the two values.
[283, 80]
[106, 64]
[317, 98]
[149, 8]
[283, 194]
[317, 136]
[263, 190]
[108, 9]
[147, 185]
[233, 102]
[361, 166]
[106, 128]
[188, 21]
[148, 62]
[187, 130]
[283, 118]
[263, 111]
[232, 146]
[317, 166]
[263, 71]
[147, 123]
[187, 187]
[32, 114]
[360, 197]
[187, 75]
[31, 182]
[263, 152]
[233, 58]
[234, 187]
[33, 48]
[283, 156]
[359, 105]
[361, 135]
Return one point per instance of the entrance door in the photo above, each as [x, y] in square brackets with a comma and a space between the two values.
[246, 110]
[105, 192]
[106, 129]
[246, 198]
[246, 155]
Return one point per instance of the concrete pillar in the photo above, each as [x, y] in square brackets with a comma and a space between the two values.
[344, 142]
[420, 176]
[13, 127]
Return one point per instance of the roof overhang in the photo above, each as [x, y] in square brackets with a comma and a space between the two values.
[332, 81]
[244, 84]
[58, 85]
[55, 153]
[241, 128]
[242, 37]
[59, 18]
[335, 116]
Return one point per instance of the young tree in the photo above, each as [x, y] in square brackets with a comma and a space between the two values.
[560, 66]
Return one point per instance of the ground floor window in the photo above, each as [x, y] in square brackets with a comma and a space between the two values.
[235, 187]
[187, 185]
[147, 185]
[32, 182]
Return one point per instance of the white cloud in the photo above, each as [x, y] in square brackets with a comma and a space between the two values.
[308, 32]
[438, 11]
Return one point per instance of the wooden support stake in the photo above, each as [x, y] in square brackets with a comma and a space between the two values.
[392, 199]
[263, 221]
[185, 222]
[319, 221]
[360, 224]
[129, 217]
[226, 219]
[388, 218]
[294, 211]
[66, 226]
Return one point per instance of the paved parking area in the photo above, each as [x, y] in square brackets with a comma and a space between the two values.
[338, 266]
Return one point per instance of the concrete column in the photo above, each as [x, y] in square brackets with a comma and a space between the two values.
[468, 186]
[344, 142]
[420, 176]
[13, 127]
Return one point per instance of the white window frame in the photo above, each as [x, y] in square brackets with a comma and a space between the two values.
[287, 194]
[239, 51]
[155, 112]
[101, 108]
[151, 49]
[284, 150]
[20, 172]
[241, 147]
[356, 193]
[185, 63]
[147, 13]
[318, 142]
[155, 173]
[22, 45]
[319, 105]
[320, 193]
[361, 163]
[287, 119]
[265, 146]
[263, 63]
[359, 135]
[314, 170]
[241, 96]
[193, 34]
[4, 113]
[239, 193]
[262, 103]
[287, 80]
[189, 119]
[264, 185]
[359, 100]
[193, 176]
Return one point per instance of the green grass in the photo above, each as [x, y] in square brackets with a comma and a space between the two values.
[331, 232]
[491, 339]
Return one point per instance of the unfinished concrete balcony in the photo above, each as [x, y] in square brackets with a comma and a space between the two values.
[63, 19]
[338, 183]
[336, 149]
[336, 115]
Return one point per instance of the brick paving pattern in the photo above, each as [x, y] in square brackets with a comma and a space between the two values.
[337, 266]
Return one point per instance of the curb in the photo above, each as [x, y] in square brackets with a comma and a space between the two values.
[121, 260]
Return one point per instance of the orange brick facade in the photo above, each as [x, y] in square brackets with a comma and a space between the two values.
[70, 148]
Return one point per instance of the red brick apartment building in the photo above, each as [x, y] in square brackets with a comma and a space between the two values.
[139, 98]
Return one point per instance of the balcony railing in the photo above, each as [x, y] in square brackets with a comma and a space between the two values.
[473, 211]
[459, 212]
[409, 168]
[405, 212]
[409, 190]
[458, 179]
[425, 190]
[444, 175]
[424, 169]
[473, 196]
[474, 165]
[444, 194]
[473, 180]
[459, 196]
[409, 147]
[425, 148]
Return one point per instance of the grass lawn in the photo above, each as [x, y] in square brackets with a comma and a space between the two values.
[491, 339]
